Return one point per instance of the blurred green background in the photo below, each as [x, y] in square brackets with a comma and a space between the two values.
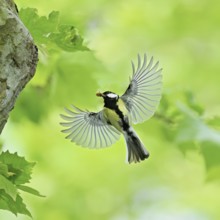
[97, 184]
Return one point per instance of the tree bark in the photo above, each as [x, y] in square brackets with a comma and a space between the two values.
[18, 58]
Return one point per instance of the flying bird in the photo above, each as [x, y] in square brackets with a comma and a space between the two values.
[136, 105]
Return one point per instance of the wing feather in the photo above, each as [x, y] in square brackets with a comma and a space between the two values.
[88, 129]
[144, 91]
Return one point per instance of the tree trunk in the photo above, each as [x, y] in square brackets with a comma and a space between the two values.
[18, 58]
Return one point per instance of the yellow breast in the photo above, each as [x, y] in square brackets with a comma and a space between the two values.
[113, 117]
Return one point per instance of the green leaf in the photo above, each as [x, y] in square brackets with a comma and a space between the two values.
[39, 27]
[193, 128]
[68, 38]
[21, 207]
[15, 206]
[50, 32]
[14, 171]
[29, 190]
[8, 187]
[1, 145]
[17, 165]
[3, 169]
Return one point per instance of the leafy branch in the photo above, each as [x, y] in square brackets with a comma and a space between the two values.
[50, 33]
[15, 172]
[184, 123]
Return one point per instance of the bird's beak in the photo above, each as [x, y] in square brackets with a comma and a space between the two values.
[99, 94]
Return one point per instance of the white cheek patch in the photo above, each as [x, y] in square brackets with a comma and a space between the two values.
[112, 95]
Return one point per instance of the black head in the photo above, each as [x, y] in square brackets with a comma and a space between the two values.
[110, 98]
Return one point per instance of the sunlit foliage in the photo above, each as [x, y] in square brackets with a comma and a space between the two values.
[87, 47]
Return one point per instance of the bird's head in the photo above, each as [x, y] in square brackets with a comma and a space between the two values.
[110, 98]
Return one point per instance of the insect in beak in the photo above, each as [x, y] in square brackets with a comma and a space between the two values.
[99, 94]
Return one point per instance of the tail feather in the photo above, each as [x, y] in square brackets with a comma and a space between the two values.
[135, 149]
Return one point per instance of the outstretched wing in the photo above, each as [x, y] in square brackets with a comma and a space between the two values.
[144, 91]
[88, 129]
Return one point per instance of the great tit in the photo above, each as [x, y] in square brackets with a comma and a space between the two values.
[137, 104]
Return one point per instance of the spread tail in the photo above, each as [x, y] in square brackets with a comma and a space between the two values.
[135, 149]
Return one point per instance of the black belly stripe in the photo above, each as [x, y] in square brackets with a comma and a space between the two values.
[114, 107]
[125, 124]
